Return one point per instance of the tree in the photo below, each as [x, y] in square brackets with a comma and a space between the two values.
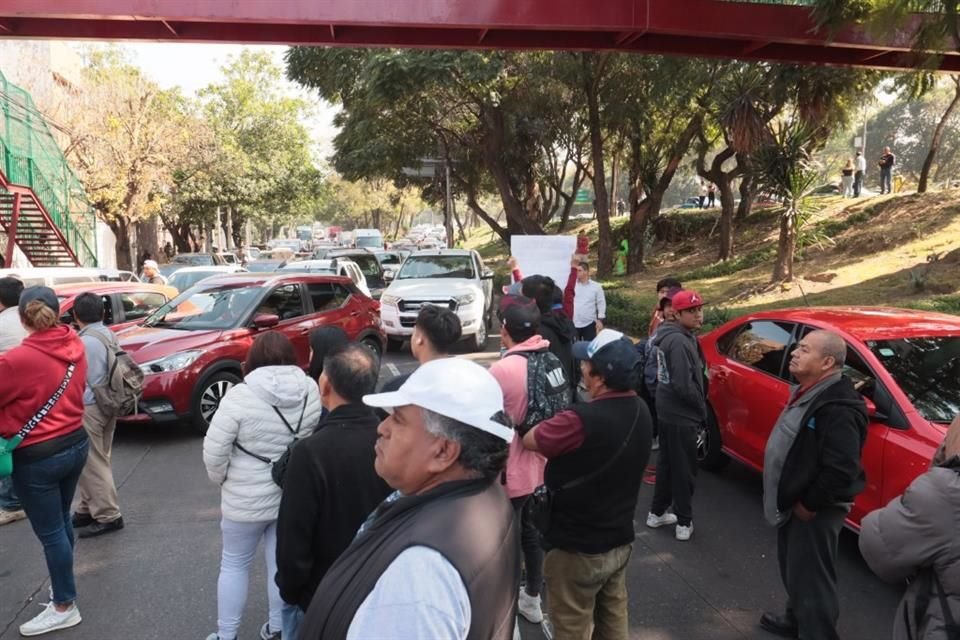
[919, 85]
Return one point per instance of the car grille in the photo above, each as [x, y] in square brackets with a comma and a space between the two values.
[414, 306]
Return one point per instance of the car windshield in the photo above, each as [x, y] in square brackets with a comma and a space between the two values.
[183, 280]
[928, 371]
[216, 307]
[195, 259]
[437, 267]
[370, 241]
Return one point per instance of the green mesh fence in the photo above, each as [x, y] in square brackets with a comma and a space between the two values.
[31, 157]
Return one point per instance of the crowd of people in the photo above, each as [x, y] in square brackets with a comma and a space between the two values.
[456, 498]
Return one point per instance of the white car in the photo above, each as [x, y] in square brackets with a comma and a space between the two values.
[453, 278]
[53, 276]
[335, 267]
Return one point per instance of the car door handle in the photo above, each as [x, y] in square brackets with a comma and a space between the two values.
[354, 314]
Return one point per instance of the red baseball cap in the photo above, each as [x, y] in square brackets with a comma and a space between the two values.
[686, 299]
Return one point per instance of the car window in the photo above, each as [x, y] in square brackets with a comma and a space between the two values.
[762, 344]
[327, 295]
[286, 301]
[368, 265]
[67, 317]
[438, 266]
[139, 305]
[862, 377]
[927, 370]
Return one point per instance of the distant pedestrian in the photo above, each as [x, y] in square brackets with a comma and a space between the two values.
[663, 287]
[861, 170]
[914, 538]
[436, 331]
[711, 195]
[811, 474]
[589, 304]
[97, 510]
[527, 354]
[151, 273]
[887, 160]
[12, 334]
[846, 179]
[703, 194]
[256, 421]
[168, 251]
[318, 518]
[439, 558]
[48, 368]
[681, 410]
[595, 454]
[583, 243]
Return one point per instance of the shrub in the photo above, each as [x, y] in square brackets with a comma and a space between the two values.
[718, 269]
[628, 314]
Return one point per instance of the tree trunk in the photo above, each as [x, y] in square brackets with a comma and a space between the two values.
[486, 217]
[121, 229]
[614, 178]
[727, 211]
[937, 136]
[746, 197]
[147, 239]
[591, 83]
[494, 145]
[783, 267]
[456, 218]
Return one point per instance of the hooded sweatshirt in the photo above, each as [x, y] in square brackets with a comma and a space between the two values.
[29, 375]
[524, 468]
[558, 330]
[247, 417]
[681, 394]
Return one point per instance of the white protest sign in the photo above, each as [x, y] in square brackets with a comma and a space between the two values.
[544, 255]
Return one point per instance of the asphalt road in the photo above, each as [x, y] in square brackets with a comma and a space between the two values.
[156, 579]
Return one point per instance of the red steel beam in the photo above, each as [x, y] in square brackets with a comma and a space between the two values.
[672, 27]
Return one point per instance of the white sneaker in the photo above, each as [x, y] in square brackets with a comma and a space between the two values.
[684, 532]
[267, 634]
[530, 607]
[655, 445]
[6, 517]
[51, 620]
[654, 521]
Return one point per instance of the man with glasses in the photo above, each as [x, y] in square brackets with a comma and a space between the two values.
[681, 409]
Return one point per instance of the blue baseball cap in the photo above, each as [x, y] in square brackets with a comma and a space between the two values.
[611, 352]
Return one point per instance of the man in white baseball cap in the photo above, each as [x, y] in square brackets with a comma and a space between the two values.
[151, 272]
[439, 558]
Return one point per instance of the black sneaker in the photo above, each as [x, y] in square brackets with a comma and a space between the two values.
[784, 626]
[82, 520]
[100, 528]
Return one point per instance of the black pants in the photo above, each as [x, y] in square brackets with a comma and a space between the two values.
[886, 180]
[530, 545]
[588, 332]
[857, 183]
[711, 200]
[676, 469]
[807, 552]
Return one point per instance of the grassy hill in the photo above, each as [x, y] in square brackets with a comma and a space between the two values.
[899, 250]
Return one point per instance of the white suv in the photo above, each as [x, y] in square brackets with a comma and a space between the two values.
[452, 278]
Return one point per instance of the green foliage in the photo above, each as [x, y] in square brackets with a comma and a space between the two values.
[627, 313]
[942, 304]
[728, 267]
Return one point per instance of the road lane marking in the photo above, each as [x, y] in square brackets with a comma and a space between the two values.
[393, 369]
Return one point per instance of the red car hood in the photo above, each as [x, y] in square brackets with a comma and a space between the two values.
[146, 343]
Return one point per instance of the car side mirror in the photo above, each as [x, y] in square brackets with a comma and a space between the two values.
[266, 320]
[874, 414]
[388, 275]
[486, 275]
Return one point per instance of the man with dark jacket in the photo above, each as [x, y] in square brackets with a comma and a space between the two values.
[555, 325]
[681, 400]
[440, 557]
[811, 474]
[596, 453]
[330, 484]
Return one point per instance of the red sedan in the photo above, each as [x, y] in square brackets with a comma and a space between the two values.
[905, 363]
[191, 349]
[124, 303]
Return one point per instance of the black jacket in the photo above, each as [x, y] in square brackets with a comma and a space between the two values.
[823, 466]
[330, 487]
[681, 387]
[558, 329]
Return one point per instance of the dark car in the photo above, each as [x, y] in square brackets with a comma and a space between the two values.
[369, 265]
[191, 349]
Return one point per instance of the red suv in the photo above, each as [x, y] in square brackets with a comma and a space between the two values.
[191, 349]
[905, 363]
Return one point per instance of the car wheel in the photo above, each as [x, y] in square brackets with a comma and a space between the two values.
[489, 320]
[710, 454]
[480, 338]
[374, 347]
[207, 399]
[394, 344]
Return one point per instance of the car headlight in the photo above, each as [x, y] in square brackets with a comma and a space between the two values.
[466, 298]
[173, 362]
[390, 300]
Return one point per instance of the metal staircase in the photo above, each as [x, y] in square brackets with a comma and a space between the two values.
[43, 207]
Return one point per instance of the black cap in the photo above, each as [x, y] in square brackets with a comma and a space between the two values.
[518, 313]
[41, 293]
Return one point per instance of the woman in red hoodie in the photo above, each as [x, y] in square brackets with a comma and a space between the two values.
[48, 462]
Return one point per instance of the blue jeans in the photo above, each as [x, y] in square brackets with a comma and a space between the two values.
[8, 497]
[46, 489]
[292, 617]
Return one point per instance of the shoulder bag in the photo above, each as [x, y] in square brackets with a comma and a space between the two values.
[8, 445]
[278, 467]
[543, 496]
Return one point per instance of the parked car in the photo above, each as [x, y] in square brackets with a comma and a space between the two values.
[265, 266]
[229, 258]
[391, 259]
[692, 202]
[454, 278]
[370, 266]
[905, 363]
[336, 267]
[191, 349]
[197, 259]
[368, 238]
[53, 276]
[124, 303]
[186, 277]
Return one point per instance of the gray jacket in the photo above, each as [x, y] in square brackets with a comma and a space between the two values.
[913, 534]
[681, 392]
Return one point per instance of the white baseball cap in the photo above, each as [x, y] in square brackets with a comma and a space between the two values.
[150, 264]
[452, 387]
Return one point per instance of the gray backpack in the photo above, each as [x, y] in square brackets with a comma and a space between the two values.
[122, 387]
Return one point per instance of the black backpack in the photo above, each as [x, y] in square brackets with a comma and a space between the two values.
[548, 391]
